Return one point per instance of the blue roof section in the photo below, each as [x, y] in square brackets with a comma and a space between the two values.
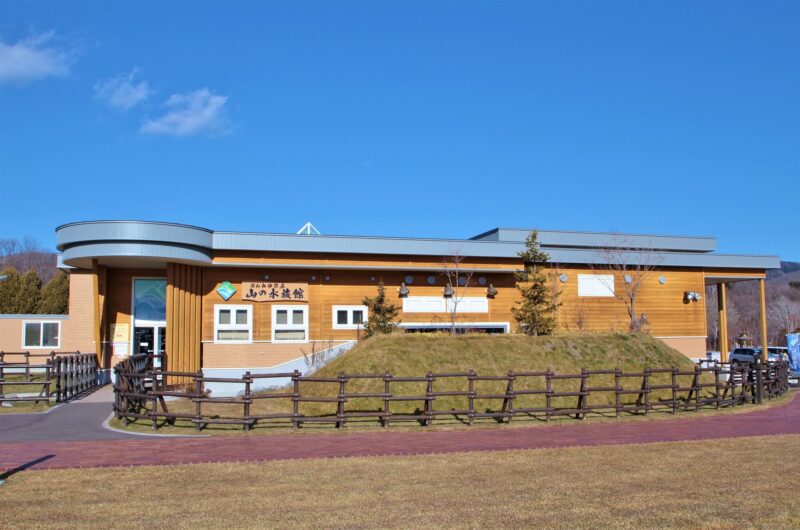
[159, 242]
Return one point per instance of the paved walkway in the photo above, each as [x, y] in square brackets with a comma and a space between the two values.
[784, 419]
[77, 420]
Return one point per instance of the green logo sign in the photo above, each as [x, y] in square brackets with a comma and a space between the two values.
[226, 290]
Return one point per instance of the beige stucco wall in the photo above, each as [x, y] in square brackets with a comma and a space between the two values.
[257, 354]
[694, 347]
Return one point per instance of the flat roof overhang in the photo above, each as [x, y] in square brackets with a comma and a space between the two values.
[152, 242]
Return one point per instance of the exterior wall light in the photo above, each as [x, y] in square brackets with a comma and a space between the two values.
[563, 277]
[662, 280]
[266, 276]
[403, 290]
[431, 280]
[691, 296]
[448, 290]
[491, 292]
[628, 278]
[482, 280]
[327, 278]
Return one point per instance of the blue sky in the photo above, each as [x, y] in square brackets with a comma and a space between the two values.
[405, 119]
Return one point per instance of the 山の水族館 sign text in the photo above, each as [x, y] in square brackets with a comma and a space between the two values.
[274, 292]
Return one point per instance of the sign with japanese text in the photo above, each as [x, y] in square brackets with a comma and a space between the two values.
[274, 292]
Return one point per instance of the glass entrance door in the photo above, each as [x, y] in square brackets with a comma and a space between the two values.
[150, 340]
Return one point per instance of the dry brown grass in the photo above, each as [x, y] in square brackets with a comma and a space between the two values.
[668, 485]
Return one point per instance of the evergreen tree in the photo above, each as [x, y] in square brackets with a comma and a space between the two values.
[381, 314]
[8, 291]
[534, 312]
[55, 295]
[29, 293]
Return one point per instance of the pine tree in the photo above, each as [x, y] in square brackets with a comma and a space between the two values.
[29, 293]
[55, 295]
[381, 314]
[534, 312]
[8, 291]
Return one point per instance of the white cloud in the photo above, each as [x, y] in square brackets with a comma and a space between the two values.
[121, 91]
[32, 59]
[190, 113]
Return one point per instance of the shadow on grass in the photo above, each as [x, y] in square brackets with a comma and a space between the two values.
[23, 467]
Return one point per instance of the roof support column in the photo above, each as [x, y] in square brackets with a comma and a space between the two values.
[722, 310]
[762, 294]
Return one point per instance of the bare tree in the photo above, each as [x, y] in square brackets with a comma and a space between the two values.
[784, 314]
[457, 283]
[581, 316]
[632, 265]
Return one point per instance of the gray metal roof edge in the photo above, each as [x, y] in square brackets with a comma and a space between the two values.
[591, 232]
[576, 239]
[22, 316]
[132, 221]
[187, 243]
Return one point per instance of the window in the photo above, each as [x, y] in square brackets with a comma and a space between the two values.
[595, 285]
[289, 323]
[438, 304]
[349, 316]
[233, 324]
[41, 334]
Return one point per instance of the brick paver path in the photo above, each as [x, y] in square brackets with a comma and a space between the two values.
[783, 419]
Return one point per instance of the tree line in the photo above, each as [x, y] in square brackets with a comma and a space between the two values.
[32, 284]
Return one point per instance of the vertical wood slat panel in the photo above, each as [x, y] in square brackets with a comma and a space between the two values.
[183, 318]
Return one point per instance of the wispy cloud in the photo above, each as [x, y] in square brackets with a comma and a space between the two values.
[34, 58]
[190, 113]
[121, 92]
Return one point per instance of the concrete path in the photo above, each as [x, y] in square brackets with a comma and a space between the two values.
[81, 419]
[783, 419]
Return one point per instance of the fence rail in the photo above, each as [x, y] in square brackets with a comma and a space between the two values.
[58, 377]
[141, 392]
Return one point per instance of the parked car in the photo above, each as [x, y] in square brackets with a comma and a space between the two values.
[748, 355]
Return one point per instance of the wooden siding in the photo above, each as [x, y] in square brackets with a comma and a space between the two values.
[184, 302]
[667, 315]
[313, 260]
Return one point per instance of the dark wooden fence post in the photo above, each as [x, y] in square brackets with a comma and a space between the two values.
[471, 379]
[295, 399]
[198, 394]
[617, 392]
[248, 380]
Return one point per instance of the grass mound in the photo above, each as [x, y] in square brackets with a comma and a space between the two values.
[416, 354]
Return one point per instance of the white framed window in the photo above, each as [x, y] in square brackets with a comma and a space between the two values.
[424, 304]
[439, 304]
[289, 323]
[233, 324]
[596, 285]
[349, 316]
[469, 304]
[41, 334]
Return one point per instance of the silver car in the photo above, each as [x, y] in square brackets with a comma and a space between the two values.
[748, 355]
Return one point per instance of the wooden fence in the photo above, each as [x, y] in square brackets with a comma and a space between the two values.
[59, 377]
[141, 392]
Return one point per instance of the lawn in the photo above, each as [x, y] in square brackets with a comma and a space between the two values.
[666, 485]
[22, 407]
[36, 383]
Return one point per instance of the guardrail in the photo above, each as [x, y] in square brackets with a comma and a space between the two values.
[141, 392]
[58, 377]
